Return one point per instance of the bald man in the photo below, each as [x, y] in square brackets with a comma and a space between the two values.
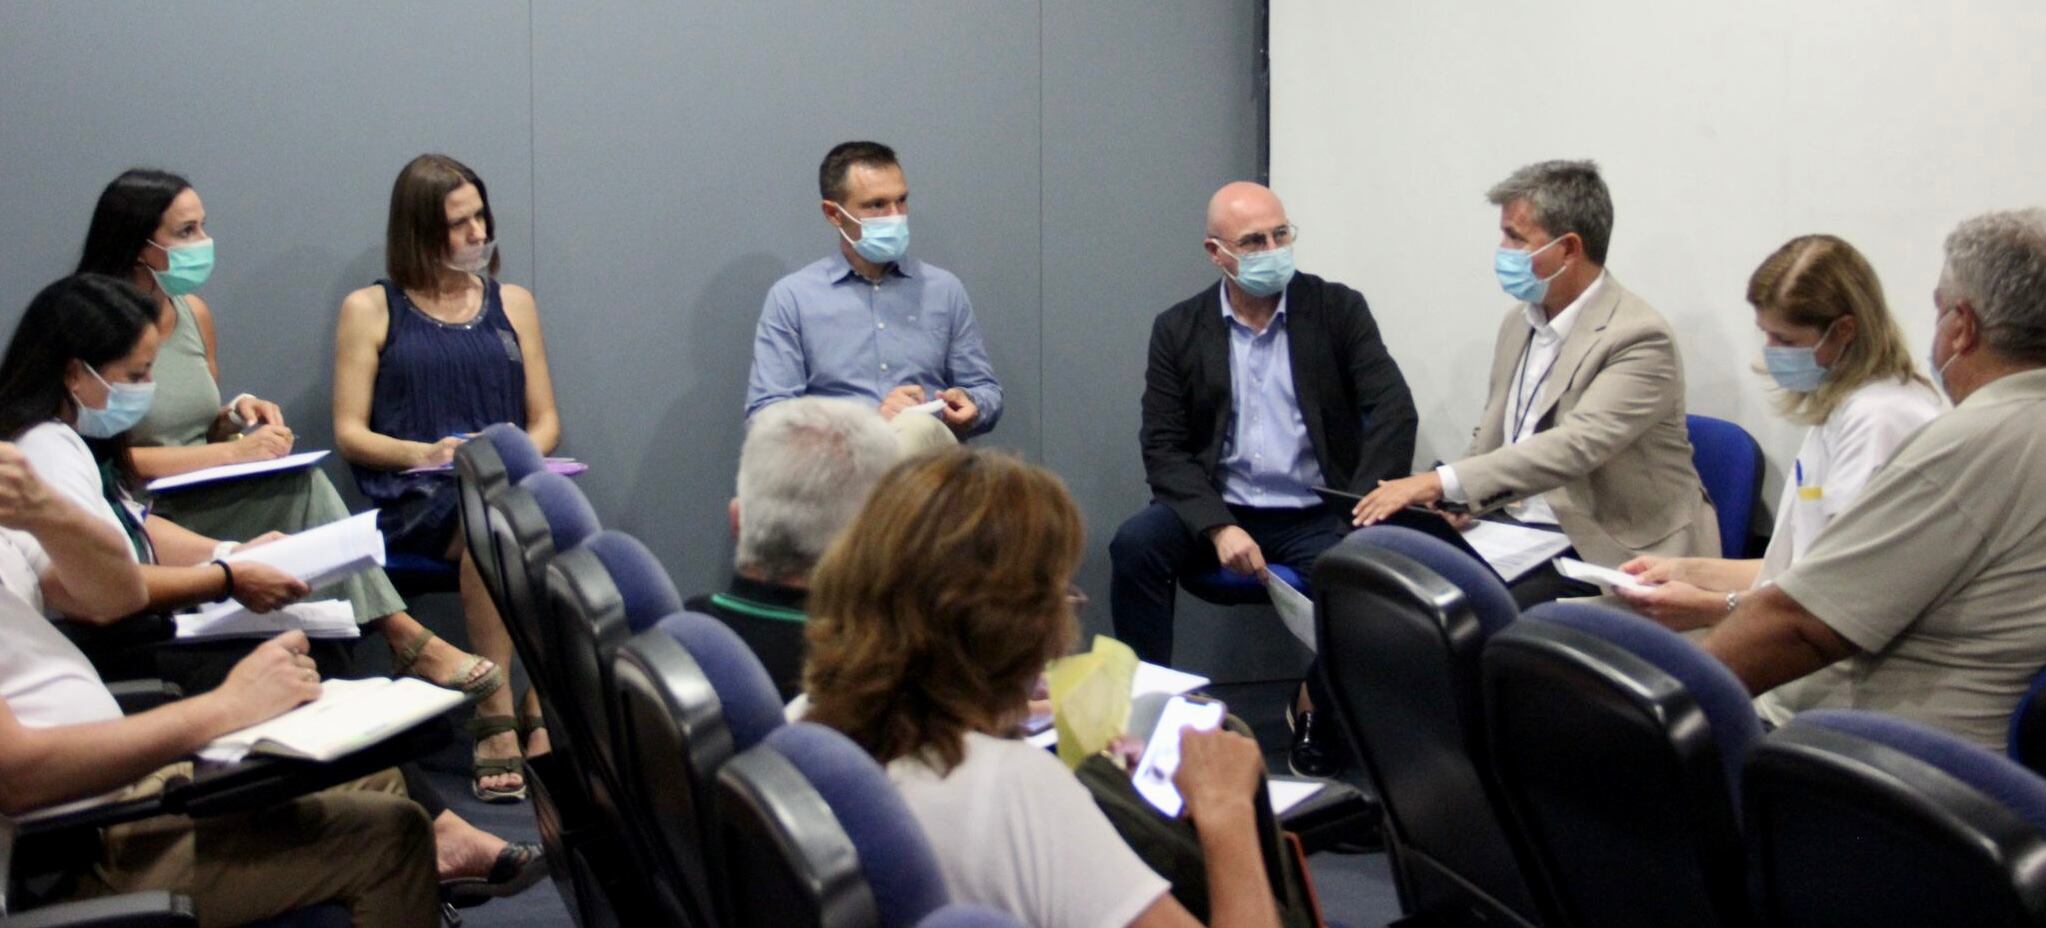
[1260, 388]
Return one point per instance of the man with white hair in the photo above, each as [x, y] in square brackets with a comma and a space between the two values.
[1923, 598]
[804, 472]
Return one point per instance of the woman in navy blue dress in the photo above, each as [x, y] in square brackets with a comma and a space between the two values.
[434, 353]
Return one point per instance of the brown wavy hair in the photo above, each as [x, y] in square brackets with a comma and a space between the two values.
[1813, 281]
[935, 611]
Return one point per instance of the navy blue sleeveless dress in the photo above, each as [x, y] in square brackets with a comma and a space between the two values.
[434, 380]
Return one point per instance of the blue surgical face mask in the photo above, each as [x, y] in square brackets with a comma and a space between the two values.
[1516, 273]
[1939, 371]
[127, 403]
[1262, 273]
[186, 267]
[882, 238]
[1797, 369]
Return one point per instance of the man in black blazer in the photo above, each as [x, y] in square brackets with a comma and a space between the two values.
[1258, 390]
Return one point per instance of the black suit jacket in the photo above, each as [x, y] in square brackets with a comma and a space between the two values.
[1359, 415]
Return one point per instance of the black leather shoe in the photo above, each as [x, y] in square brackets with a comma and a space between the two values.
[1312, 754]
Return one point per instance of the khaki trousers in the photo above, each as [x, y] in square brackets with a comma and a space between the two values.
[362, 845]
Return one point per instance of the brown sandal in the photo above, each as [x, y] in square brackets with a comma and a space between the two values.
[487, 726]
[402, 664]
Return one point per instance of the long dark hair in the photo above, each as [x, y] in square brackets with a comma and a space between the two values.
[91, 317]
[128, 213]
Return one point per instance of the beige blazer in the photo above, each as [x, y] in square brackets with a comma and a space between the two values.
[1610, 449]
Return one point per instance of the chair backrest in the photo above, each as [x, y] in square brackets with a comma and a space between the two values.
[500, 458]
[600, 592]
[1400, 642]
[1860, 819]
[529, 522]
[814, 836]
[1729, 463]
[2028, 728]
[1617, 746]
[968, 915]
[689, 695]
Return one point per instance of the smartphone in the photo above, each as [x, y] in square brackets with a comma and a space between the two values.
[1153, 778]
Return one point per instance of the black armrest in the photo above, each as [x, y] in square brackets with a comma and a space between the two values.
[124, 650]
[154, 909]
[135, 696]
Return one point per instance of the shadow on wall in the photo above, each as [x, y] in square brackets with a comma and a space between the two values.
[704, 423]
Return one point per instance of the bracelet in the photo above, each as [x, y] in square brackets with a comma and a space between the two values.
[229, 572]
[1732, 599]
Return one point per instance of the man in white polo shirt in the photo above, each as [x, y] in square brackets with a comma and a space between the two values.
[1924, 598]
[63, 739]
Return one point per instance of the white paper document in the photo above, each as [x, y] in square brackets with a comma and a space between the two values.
[322, 555]
[1289, 793]
[1150, 678]
[326, 618]
[1513, 550]
[1605, 577]
[1294, 608]
[297, 461]
[931, 407]
[348, 716]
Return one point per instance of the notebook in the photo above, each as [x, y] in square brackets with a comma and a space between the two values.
[349, 715]
[299, 461]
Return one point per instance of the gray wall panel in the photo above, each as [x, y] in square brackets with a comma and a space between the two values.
[1147, 110]
[653, 172]
[290, 119]
[676, 161]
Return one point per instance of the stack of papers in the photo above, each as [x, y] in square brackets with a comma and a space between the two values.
[1149, 678]
[318, 556]
[1294, 608]
[1604, 577]
[1513, 550]
[566, 467]
[298, 461]
[1289, 793]
[322, 555]
[349, 715]
[326, 618]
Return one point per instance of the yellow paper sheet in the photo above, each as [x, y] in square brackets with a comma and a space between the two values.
[1090, 697]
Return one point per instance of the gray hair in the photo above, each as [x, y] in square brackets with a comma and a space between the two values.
[1566, 197]
[804, 472]
[1997, 263]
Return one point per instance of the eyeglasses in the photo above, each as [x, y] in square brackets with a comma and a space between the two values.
[1076, 598]
[1278, 237]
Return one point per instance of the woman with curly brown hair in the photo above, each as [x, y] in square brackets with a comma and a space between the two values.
[932, 617]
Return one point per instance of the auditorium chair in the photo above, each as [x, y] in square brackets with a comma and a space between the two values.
[1617, 746]
[1401, 619]
[1861, 820]
[814, 836]
[687, 696]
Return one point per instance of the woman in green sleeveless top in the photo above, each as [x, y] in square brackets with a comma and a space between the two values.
[149, 229]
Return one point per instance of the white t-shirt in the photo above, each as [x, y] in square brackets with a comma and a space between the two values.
[66, 465]
[1837, 459]
[44, 678]
[1014, 829]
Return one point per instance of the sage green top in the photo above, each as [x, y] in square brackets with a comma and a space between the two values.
[186, 405]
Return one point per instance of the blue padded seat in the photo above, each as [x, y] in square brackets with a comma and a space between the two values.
[752, 707]
[570, 518]
[1729, 463]
[900, 869]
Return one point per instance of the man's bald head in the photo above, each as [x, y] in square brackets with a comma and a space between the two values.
[1243, 207]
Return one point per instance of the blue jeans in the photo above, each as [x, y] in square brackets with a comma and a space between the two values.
[1153, 549]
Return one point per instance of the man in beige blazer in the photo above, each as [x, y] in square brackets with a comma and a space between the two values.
[1583, 427]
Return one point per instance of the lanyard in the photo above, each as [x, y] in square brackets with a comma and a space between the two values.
[756, 610]
[1524, 402]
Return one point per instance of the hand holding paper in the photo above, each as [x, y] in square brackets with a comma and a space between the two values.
[1604, 577]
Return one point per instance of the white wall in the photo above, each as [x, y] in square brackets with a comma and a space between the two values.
[1723, 130]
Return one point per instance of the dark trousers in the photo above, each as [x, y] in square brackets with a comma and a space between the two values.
[1153, 549]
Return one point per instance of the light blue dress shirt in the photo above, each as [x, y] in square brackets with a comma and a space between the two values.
[1268, 461]
[827, 331]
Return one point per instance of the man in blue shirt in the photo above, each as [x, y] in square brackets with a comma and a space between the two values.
[1260, 388]
[871, 323]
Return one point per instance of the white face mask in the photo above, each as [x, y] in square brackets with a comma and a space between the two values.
[473, 259]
